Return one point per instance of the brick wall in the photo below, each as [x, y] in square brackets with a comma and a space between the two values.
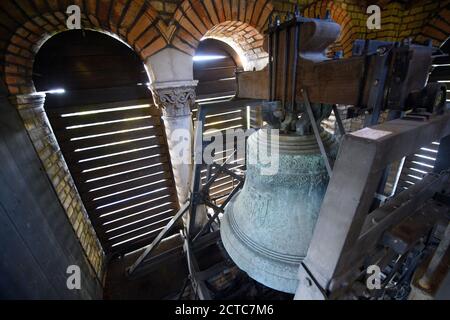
[419, 20]
[31, 109]
[196, 18]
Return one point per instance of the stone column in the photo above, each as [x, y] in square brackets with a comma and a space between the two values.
[173, 88]
[176, 99]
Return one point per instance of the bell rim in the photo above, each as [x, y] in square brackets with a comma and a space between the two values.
[246, 259]
[258, 248]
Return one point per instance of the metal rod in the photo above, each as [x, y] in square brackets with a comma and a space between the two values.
[183, 288]
[425, 281]
[218, 172]
[212, 179]
[231, 173]
[275, 60]
[285, 67]
[213, 206]
[208, 172]
[376, 97]
[270, 49]
[294, 67]
[317, 132]
[206, 226]
[198, 285]
[198, 161]
[365, 72]
[443, 156]
[232, 194]
[339, 120]
[218, 211]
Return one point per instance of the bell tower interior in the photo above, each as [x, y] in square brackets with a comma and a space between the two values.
[220, 150]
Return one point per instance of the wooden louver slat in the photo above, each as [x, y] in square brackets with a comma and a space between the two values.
[123, 173]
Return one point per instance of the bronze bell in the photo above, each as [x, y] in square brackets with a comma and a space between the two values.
[268, 225]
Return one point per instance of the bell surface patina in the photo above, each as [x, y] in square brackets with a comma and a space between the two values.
[268, 225]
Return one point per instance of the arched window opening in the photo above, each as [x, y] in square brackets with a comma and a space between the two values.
[110, 134]
[83, 60]
[441, 68]
[215, 66]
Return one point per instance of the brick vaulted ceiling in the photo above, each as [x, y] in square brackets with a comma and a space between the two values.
[149, 26]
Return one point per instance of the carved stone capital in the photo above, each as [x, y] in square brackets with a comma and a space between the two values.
[175, 101]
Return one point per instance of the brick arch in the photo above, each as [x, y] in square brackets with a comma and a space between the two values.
[437, 29]
[340, 15]
[137, 24]
[214, 19]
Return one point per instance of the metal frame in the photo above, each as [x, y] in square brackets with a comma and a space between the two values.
[339, 120]
[345, 231]
[317, 132]
[200, 195]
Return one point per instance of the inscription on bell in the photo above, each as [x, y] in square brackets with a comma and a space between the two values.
[261, 208]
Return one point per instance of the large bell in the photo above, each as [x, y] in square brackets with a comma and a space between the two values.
[268, 225]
